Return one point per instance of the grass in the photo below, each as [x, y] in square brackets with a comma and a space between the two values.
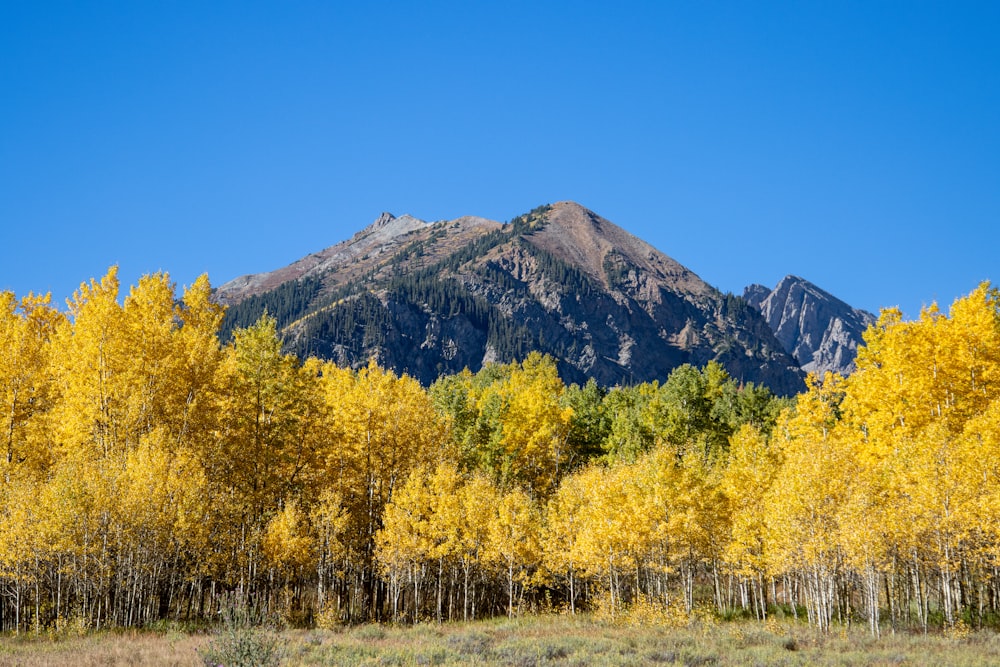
[104, 649]
[536, 641]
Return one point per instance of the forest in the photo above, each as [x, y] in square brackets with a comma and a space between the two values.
[150, 471]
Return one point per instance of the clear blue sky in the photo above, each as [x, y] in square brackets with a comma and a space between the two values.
[856, 144]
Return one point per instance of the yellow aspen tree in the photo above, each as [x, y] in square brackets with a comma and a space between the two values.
[288, 543]
[536, 424]
[562, 552]
[514, 543]
[478, 499]
[622, 521]
[447, 523]
[289, 546]
[518, 433]
[153, 397]
[197, 346]
[436, 520]
[92, 358]
[980, 458]
[159, 524]
[750, 470]
[881, 418]
[22, 544]
[687, 479]
[404, 543]
[646, 523]
[76, 507]
[385, 426]
[917, 386]
[189, 500]
[329, 520]
[118, 364]
[27, 392]
[257, 458]
[804, 502]
[863, 518]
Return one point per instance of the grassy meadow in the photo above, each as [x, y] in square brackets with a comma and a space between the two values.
[526, 642]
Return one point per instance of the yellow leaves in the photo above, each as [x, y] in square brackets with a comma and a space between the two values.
[20, 537]
[564, 526]
[288, 543]
[916, 410]
[510, 422]
[329, 521]
[746, 480]
[514, 532]
[124, 369]
[407, 536]
[513, 541]
[437, 514]
[27, 392]
[806, 497]
[162, 497]
[605, 519]
[384, 426]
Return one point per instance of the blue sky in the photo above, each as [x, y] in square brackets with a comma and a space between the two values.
[856, 144]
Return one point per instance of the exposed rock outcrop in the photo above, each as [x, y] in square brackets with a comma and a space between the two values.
[821, 331]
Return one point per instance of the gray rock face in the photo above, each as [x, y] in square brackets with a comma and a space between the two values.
[818, 329]
[755, 295]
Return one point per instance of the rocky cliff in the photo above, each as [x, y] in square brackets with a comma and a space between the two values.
[818, 329]
[432, 298]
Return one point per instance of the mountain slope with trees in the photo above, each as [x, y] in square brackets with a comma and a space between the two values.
[429, 299]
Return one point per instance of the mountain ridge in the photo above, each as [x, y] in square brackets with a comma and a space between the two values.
[429, 298]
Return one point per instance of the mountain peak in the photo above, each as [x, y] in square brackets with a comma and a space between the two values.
[577, 235]
[821, 331]
[792, 283]
[386, 226]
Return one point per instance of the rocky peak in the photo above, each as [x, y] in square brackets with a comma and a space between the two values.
[821, 331]
[379, 238]
[383, 220]
[387, 226]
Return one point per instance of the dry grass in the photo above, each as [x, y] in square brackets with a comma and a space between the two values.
[545, 640]
[566, 641]
[103, 650]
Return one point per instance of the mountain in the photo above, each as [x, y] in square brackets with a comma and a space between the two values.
[432, 298]
[821, 331]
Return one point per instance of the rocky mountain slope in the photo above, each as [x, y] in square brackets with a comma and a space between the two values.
[821, 331]
[432, 298]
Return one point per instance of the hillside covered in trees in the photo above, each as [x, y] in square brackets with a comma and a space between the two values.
[148, 470]
[430, 299]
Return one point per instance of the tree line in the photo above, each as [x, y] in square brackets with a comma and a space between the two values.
[149, 470]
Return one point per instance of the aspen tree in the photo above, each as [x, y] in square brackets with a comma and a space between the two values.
[804, 503]
[386, 426]
[751, 467]
[562, 551]
[27, 392]
[92, 359]
[513, 545]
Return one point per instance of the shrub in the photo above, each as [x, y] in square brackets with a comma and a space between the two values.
[246, 639]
